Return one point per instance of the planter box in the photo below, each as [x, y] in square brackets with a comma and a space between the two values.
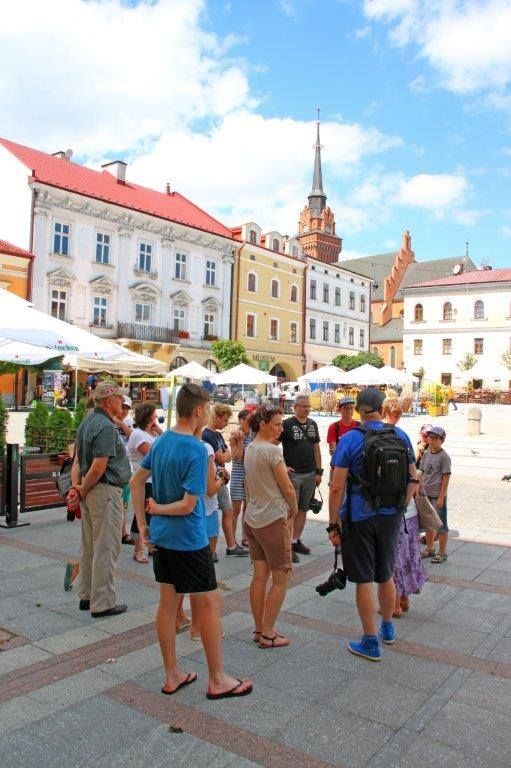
[436, 410]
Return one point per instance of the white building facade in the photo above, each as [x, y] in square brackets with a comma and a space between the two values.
[153, 282]
[449, 318]
[337, 313]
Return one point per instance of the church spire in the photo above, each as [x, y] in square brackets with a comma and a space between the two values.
[317, 197]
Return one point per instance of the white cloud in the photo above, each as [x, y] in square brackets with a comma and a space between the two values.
[288, 8]
[363, 32]
[466, 42]
[506, 230]
[434, 192]
[469, 217]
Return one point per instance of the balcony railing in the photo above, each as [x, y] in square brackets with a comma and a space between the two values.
[141, 332]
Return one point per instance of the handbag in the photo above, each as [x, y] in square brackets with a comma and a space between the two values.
[64, 479]
[429, 519]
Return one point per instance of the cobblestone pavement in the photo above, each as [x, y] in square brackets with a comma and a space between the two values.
[75, 691]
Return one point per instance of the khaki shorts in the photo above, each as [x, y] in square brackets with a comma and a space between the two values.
[272, 543]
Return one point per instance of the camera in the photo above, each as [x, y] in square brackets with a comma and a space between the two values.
[336, 580]
[220, 475]
[316, 504]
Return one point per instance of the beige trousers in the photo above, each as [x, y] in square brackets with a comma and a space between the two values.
[102, 515]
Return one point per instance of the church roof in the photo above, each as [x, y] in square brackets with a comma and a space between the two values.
[102, 185]
[391, 331]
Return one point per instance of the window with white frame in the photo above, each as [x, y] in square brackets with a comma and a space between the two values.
[325, 330]
[293, 333]
[362, 302]
[478, 346]
[337, 298]
[252, 282]
[251, 326]
[142, 313]
[102, 248]
[312, 328]
[361, 338]
[274, 289]
[337, 333]
[417, 346]
[210, 273]
[179, 319]
[418, 313]
[447, 311]
[479, 310]
[99, 311]
[294, 251]
[275, 246]
[294, 293]
[446, 346]
[274, 329]
[351, 336]
[312, 290]
[145, 257]
[209, 324]
[252, 236]
[326, 293]
[180, 266]
[61, 235]
[352, 300]
[58, 305]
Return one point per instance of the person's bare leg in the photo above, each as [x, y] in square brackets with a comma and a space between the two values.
[366, 607]
[206, 607]
[442, 542]
[299, 521]
[166, 633]
[236, 510]
[258, 588]
[430, 540]
[213, 541]
[181, 617]
[227, 517]
[387, 599]
[280, 581]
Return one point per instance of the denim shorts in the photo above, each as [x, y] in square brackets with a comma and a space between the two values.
[442, 513]
[212, 527]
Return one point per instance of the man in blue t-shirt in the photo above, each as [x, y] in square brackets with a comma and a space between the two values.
[368, 543]
[182, 560]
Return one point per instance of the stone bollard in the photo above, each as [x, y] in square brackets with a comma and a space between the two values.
[474, 421]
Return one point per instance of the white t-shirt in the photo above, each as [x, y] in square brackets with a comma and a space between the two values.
[411, 510]
[276, 392]
[210, 502]
[137, 437]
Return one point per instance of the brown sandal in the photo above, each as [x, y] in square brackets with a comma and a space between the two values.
[274, 641]
[254, 638]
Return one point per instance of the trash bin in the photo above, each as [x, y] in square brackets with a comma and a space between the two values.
[474, 417]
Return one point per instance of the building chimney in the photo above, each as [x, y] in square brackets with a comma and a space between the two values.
[116, 168]
[167, 188]
[67, 155]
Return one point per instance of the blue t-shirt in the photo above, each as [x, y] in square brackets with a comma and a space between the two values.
[349, 455]
[178, 464]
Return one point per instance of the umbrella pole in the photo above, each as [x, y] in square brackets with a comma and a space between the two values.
[76, 385]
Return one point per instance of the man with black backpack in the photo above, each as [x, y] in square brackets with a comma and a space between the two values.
[374, 477]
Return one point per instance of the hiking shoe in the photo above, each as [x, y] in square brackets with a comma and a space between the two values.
[368, 647]
[294, 557]
[299, 546]
[387, 632]
[439, 558]
[236, 551]
[115, 611]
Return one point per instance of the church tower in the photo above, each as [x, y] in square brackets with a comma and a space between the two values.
[316, 232]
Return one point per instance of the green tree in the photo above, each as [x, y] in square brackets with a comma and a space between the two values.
[348, 362]
[4, 418]
[60, 430]
[36, 426]
[79, 412]
[467, 362]
[229, 353]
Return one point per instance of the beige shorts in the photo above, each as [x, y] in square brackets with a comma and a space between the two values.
[272, 543]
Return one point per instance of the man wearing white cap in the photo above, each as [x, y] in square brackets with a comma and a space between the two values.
[99, 473]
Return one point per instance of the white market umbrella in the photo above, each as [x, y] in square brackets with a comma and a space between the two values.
[486, 371]
[121, 361]
[24, 354]
[243, 374]
[365, 375]
[327, 374]
[194, 371]
[393, 376]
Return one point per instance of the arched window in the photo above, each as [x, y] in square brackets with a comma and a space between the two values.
[294, 293]
[393, 357]
[447, 311]
[479, 310]
[178, 362]
[275, 246]
[211, 366]
[252, 236]
[418, 314]
[275, 289]
[252, 282]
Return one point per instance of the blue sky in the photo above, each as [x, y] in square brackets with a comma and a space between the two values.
[218, 98]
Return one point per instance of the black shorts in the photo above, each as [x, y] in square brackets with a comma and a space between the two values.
[369, 548]
[188, 572]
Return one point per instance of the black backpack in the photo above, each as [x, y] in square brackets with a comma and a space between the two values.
[385, 474]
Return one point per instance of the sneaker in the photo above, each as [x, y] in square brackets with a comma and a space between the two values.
[215, 557]
[299, 546]
[368, 647]
[387, 632]
[294, 557]
[236, 551]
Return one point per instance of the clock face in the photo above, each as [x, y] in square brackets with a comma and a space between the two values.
[305, 228]
[328, 229]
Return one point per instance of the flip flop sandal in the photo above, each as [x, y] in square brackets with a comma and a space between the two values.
[139, 557]
[187, 624]
[232, 694]
[190, 678]
[254, 638]
[273, 643]
[127, 539]
[427, 553]
[439, 558]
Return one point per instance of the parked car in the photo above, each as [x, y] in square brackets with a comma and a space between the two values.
[230, 394]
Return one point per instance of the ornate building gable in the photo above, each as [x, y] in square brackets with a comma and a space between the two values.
[181, 298]
[145, 292]
[102, 285]
[211, 304]
[61, 278]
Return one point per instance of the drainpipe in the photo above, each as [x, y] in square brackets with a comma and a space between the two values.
[304, 320]
[31, 243]
[238, 281]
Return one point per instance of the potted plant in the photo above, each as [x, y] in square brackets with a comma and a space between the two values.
[183, 334]
[436, 401]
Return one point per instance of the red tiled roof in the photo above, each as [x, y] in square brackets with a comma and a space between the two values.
[467, 278]
[13, 250]
[73, 177]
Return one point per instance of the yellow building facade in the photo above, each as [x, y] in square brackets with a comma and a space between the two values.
[268, 302]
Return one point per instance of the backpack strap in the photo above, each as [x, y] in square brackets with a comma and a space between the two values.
[337, 431]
